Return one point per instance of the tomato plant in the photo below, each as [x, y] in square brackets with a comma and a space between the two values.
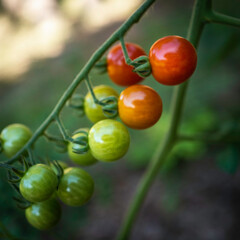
[94, 111]
[44, 215]
[173, 60]
[38, 183]
[14, 137]
[139, 106]
[118, 71]
[76, 187]
[108, 140]
[83, 159]
[61, 163]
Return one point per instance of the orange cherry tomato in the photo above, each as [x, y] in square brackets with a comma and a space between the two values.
[173, 60]
[118, 71]
[139, 106]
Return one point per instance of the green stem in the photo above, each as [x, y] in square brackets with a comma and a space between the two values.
[63, 130]
[194, 33]
[125, 52]
[215, 17]
[90, 89]
[122, 30]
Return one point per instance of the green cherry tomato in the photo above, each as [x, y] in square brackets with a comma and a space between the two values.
[14, 137]
[44, 215]
[75, 187]
[38, 183]
[108, 140]
[94, 111]
[83, 159]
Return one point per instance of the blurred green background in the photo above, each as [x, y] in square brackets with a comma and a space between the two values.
[45, 43]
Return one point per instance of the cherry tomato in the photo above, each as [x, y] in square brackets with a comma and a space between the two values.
[14, 137]
[173, 60]
[83, 159]
[108, 140]
[94, 111]
[75, 187]
[118, 71]
[38, 183]
[44, 215]
[139, 106]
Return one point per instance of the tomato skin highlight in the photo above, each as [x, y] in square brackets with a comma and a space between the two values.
[94, 111]
[14, 137]
[108, 140]
[44, 215]
[139, 106]
[119, 72]
[84, 159]
[76, 187]
[38, 183]
[173, 60]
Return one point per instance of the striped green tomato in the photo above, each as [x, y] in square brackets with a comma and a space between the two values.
[44, 215]
[108, 140]
[76, 187]
[38, 183]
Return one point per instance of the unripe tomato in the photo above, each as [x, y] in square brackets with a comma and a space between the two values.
[139, 106]
[38, 183]
[119, 72]
[83, 159]
[44, 215]
[94, 111]
[75, 187]
[14, 137]
[173, 60]
[108, 140]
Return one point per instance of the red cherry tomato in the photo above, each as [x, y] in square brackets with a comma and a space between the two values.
[139, 106]
[173, 60]
[118, 71]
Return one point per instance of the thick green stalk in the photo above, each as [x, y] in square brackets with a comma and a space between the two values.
[121, 31]
[194, 33]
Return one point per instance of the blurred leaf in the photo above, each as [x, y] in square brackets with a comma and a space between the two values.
[228, 159]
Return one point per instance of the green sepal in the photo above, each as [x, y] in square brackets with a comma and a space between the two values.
[58, 168]
[17, 180]
[109, 106]
[23, 206]
[18, 172]
[142, 66]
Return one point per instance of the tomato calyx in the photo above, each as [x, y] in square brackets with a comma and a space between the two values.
[109, 106]
[76, 102]
[142, 66]
[81, 142]
[58, 168]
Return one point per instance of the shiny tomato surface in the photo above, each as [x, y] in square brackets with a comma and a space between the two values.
[139, 106]
[118, 71]
[173, 60]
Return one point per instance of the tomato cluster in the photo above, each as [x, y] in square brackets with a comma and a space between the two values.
[172, 59]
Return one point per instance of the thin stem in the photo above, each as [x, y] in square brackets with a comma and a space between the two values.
[62, 130]
[215, 17]
[125, 52]
[90, 89]
[194, 33]
[122, 30]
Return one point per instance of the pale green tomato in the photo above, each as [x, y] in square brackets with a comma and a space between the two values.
[94, 111]
[83, 159]
[76, 187]
[14, 137]
[44, 215]
[108, 140]
[38, 183]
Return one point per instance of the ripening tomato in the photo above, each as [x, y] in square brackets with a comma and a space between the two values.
[139, 106]
[38, 183]
[119, 72]
[94, 111]
[75, 187]
[108, 140]
[83, 159]
[44, 215]
[14, 137]
[173, 60]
